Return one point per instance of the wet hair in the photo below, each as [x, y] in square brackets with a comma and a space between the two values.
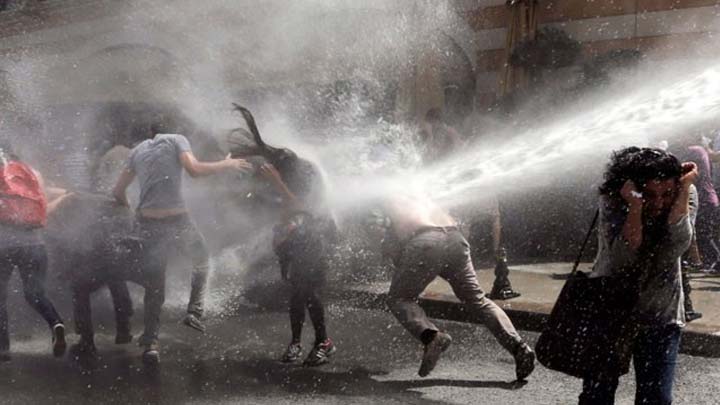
[640, 165]
[433, 115]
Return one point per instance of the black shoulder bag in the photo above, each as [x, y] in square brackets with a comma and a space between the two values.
[592, 325]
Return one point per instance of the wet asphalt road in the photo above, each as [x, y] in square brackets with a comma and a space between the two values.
[235, 362]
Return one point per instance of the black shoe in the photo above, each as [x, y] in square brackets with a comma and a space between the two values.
[692, 316]
[433, 350]
[58, 340]
[293, 353]
[320, 354]
[524, 361]
[505, 293]
[151, 355]
[194, 322]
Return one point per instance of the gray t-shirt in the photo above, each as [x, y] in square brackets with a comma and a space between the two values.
[156, 163]
[661, 296]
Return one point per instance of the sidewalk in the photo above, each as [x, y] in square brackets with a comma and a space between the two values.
[539, 290]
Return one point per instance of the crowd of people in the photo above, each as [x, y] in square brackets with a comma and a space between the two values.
[658, 217]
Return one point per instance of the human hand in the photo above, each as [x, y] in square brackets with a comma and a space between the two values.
[270, 172]
[690, 174]
[238, 164]
[630, 194]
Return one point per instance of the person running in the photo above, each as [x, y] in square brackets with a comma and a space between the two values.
[165, 225]
[425, 242]
[23, 212]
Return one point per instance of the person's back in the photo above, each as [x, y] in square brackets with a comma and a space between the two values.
[23, 210]
[158, 168]
[410, 214]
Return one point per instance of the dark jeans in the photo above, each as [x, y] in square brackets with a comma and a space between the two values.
[82, 312]
[654, 357]
[161, 238]
[304, 262]
[31, 262]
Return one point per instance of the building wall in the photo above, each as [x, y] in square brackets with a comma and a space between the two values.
[657, 28]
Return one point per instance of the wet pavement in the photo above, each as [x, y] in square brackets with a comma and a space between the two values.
[540, 285]
[235, 362]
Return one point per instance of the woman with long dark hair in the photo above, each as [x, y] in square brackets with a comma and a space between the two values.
[644, 228]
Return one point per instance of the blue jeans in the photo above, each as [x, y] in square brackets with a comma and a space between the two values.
[31, 262]
[654, 357]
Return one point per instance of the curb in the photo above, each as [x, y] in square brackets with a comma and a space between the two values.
[693, 342]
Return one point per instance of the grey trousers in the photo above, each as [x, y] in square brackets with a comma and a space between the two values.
[447, 255]
[162, 238]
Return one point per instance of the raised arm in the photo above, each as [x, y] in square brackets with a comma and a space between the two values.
[681, 206]
[196, 168]
[632, 230]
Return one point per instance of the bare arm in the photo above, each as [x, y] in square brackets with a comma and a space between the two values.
[632, 231]
[270, 173]
[196, 168]
[119, 191]
[681, 206]
[54, 195]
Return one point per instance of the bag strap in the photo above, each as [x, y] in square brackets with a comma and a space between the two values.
[584, 244]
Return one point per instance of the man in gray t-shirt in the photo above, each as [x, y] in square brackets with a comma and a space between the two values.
[165, 226]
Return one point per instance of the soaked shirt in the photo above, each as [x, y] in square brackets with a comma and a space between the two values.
[661, 295]
[156, 163]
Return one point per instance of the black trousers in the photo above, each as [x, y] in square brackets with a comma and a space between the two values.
[304, 264]
[31, 262]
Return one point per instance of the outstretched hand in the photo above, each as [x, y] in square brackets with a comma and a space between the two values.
[238, 164]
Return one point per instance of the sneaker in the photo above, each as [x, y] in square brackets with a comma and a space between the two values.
[194, 322]
[58, 340]
[433, 350]
[692, 316]
[151, 355]
[524, 362]
[292, 353]
[320, 354]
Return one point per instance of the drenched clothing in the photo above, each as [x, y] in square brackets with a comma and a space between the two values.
[82, 309]
[162, 239]
[655, 354]
[156, 162]
[443, 253]
[303, 260]
[302, 244]
[661, 295]
[31, 262]
[660, 309]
